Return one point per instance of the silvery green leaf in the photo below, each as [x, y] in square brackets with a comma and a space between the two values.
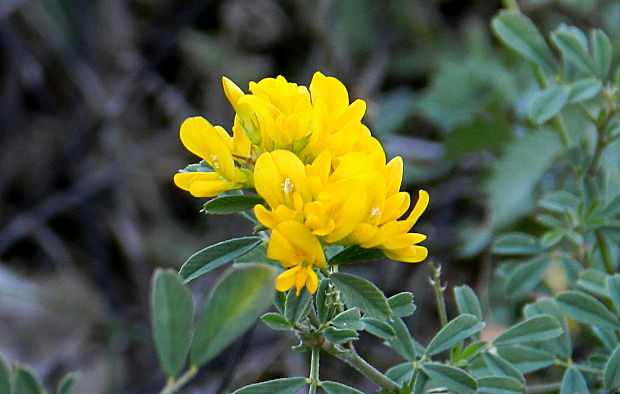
[573, 382]
[457, 330]
[360, 293]
[535, 329]
[467, 302]
[586, 309]
[296, 306]
[276, 386]
[338, 388]
[611, 375]
[452, 378]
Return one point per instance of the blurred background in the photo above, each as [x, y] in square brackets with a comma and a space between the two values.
[92, 94]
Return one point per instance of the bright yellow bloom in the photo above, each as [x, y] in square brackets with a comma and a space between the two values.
[298, 249]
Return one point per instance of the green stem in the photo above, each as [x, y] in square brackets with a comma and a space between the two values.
[511, 5]
[580, 367]
[544, 388]
[441, 304]
[175, 385]
[351, 357]
[314, 370]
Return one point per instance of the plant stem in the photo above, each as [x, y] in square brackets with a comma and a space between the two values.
[441, 304]
[543, 388]
[351, 357]
[175, 385]
[314, 370]
[511, 5]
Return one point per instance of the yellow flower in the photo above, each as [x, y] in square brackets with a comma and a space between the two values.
[298, 249]
[215, 146]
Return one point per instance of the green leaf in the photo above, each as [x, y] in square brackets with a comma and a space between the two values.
[525, 358]
[515, 243]
[402, 304]
[500, 367]
[511, 185]
[297, 306]
[171, 317]
[276, 321]
[586, 309]
[519, 33]
[573, 382]
[5, 377]
[378, 328]
[612, 284]
[457, 330]
[277, 386]
[360, 293]
[560, 345]
[349, 319]
[67, 384]
[548, 103]
[560, 201]
[593, 281]
[552, 238]
[611, 374]
[467, 302]
[535, 329]
[402, 341]
[322, 308]
[338, 336]
[573, 49]
[214, 256]
[420, 381]
[527, 276]
[401, 373]
[225, 205]
[257, 255]
[499, 385]
[584, 89]
[26, 382]
[470, 352]
[454, 379]
[602, 52]
[338, 388]
[235, 302]
[607, 336]
[355, 254]
[279, 301]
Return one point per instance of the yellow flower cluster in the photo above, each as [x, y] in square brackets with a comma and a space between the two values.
[324, 178]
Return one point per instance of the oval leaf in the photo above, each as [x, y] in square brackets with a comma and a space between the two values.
[67, 384]
[584, 90]
[225, 205]
[360, 293]
[612, 284]
[402, 341]
[26, 382]
[216, 255]
[499, 385]
[276, 386]
[378, 328]
[338, 388]
[355, 254]
[516, 243]
[457, 330]
[586, 309]
[611, 375]
[548, 103]
[602, 52]
[593, 281]
[501, 367]
[5, 377]
[454, 379]
[560, 345]
[527, 276]
[349, 319]
[276, 321]
[573, 382]
[536, 329]
[171, 317]
[402, 304]
[525, 358]
[400, 373]
[572, 49]
[297, 306]
[467, 302]
[232, 307]
[338, 336]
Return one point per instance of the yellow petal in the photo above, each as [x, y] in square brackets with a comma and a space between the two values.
[419, 208]
[411, 254]
[203, 184]
[233, 92]
[286, 279]
[292, 243]
[312, 281]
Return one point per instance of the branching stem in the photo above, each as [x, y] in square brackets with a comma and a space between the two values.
[175, 385]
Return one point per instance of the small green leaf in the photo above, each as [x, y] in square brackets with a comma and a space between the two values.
[593, 281]
[402, 304]
[420, 381]
[349, 319]
[548, 103]
[560, 201]
[378, 328]
[536, 329]
[338, 388]
[225, 205]
[277, 386]
[322, 308]
[501, 367]
[67, 384]
[401, 373]
[276, 321]
[470, 352]
[279, 301]
[560, 345]
[611, 375]
[402, 341]
[612, 284]
[607, 336]
[355, 254]
[519, 33]
[573, 49]
[360, 293]
[515, 243]
[297, 306]
[584, 89]
[467, 302]
[457, 330]
[234, 304]
[26, 382]
[527, 276]
[5, 377]
[602, 52]
[454, 379]
[573, 382]
[586, 309]
[338, 336]
[499, 385]
[526, 359]
[172, 318]
[214, 256]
